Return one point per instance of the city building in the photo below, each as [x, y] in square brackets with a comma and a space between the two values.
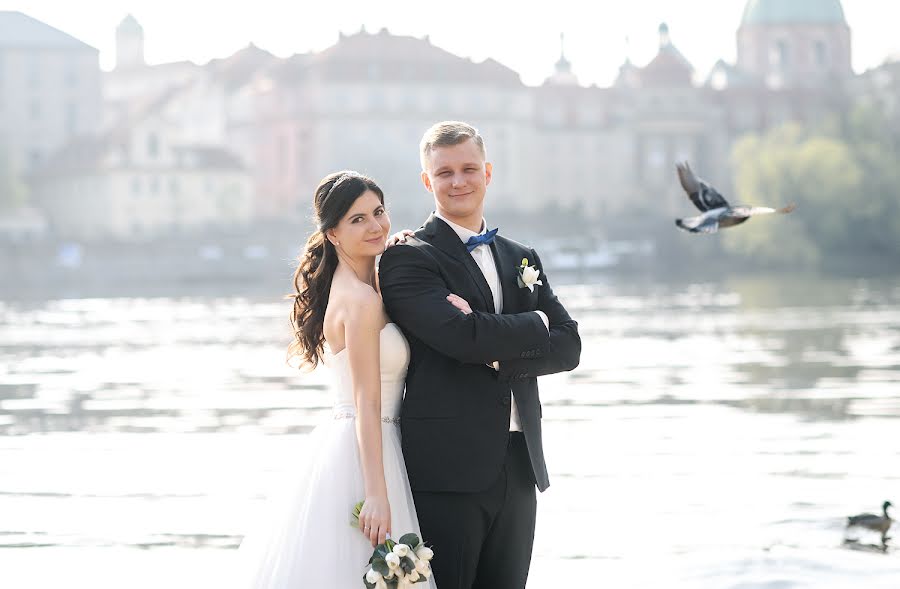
[49, 90]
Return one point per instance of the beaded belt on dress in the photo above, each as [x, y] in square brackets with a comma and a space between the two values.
[348, 415]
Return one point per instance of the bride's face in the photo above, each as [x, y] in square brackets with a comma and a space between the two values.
[364, 229]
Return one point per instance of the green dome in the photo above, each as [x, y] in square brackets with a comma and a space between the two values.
[769, 12]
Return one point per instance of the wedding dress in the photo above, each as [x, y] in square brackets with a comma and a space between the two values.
[307, 540]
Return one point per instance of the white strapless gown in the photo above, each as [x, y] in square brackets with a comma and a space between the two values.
[307, 540]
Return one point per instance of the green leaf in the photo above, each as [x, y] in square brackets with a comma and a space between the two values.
[410, 540]
[381, 566]
[407, 565]
[354, 515]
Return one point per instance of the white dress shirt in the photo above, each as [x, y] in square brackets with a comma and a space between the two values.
[484, 258]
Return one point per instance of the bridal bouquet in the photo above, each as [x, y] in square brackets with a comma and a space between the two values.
[397, 565]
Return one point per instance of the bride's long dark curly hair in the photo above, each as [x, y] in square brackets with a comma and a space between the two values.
[334, 196]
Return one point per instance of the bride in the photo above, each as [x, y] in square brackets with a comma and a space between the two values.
[339, 320]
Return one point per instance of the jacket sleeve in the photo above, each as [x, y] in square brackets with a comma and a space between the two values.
[415, 296]
[564, 351]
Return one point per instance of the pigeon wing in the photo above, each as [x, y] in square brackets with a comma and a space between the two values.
[704, 196]
[710, 198]
[689, 182]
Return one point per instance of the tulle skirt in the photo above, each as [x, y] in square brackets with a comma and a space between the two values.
[306, 540]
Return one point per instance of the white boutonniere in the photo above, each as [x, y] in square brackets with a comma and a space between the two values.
[528, 275]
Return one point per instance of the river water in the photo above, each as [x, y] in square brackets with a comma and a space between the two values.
[716, 435]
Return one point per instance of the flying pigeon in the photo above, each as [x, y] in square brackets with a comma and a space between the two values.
[716, 212]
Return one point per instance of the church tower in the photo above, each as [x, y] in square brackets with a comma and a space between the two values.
[129, 44]
[562, 73]
[791, 43]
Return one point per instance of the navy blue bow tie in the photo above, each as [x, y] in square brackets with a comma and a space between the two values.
[484, 238]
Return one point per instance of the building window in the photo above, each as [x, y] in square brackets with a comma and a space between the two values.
[173, 186]
[780, 56]
[154, 185]
[35, 110]
[136, 185]
[282, 156]
[34, 158]
[821, 53]
[719, 79]
[70, 76]
[34, 71]
[152, 146]
[71, 118]
[655, 154]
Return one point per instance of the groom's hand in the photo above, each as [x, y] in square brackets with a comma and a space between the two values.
[460, 303]
[463, 305]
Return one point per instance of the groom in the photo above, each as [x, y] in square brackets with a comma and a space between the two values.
[471, 417]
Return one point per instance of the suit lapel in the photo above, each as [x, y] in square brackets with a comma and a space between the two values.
[445, 239]
[506, 264]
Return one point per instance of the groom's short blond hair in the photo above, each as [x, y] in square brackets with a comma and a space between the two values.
[448, 133]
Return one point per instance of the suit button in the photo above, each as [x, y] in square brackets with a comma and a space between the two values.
[505, 400]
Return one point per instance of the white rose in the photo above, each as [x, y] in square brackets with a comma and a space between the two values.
[401, 550]
[413, 576]
[373, 576]
[425, 553]
[380, 584]
[421, 566]
[427, 572]
[392, 560]
[530, 276]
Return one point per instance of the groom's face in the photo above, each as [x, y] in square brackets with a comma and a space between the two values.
[458, 176]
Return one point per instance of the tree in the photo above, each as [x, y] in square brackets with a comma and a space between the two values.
[845, 180]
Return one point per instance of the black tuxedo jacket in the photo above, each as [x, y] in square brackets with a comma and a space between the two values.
[455, 415]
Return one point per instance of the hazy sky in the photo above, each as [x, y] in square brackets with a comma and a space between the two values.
[525, 39]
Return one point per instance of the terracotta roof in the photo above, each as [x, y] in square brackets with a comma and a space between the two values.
[203, 157]
[389, 58]
[668, 68]
[241, 66]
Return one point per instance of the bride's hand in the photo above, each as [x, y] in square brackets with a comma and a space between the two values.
[460, 303]
[375, 519]
[399, 237]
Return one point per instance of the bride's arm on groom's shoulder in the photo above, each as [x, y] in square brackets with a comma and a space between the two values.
[564, 351]
[415, 296]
